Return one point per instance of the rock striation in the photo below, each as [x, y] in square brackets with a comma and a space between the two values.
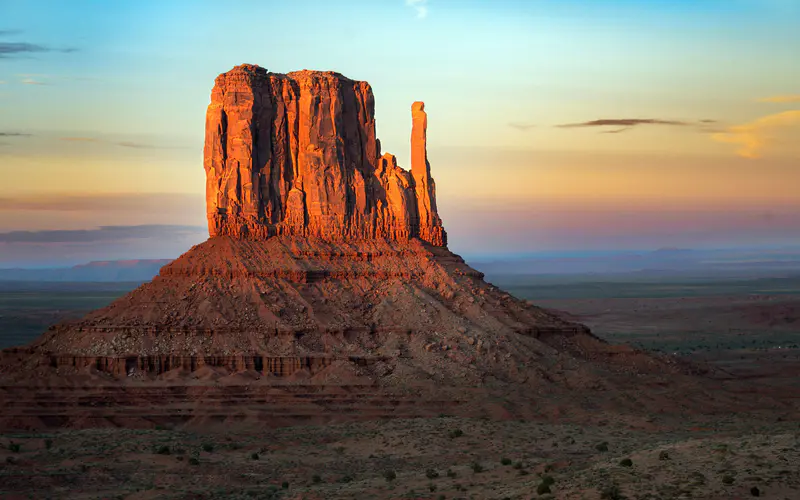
[297, 155]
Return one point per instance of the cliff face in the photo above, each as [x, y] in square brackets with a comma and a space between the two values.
[296, 154]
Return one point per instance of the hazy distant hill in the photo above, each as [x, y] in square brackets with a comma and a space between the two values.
[105, 271]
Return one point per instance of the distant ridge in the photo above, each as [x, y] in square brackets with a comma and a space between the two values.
[98, 271]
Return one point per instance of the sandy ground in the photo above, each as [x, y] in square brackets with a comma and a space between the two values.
[441, 457]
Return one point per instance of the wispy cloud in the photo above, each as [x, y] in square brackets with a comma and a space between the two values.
[101, 234]
[124, 144]
[521, 126]
[21, 49]
[2, 82]
[14, 134]
[420, 6]
[781, 99]
[31, 81]
[101, 202]
[754, 137]
[624, 122]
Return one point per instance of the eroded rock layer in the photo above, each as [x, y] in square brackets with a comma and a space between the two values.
[296, 154]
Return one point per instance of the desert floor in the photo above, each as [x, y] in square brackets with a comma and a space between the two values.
[747, 331]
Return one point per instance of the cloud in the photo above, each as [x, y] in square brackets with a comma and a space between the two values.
[103, 202]
[2, 82]
[781, 99]
[31, 81]
[101, 234]
[420, 6]
[616, 131]
[521, 126]
[752, 138]
[624, 122]
[124, 144]
[13, 134]
[20, 49]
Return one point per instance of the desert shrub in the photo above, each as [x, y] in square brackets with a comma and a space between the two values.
[163, 450]
[523, 472]
[432, 487]
[14, 447]
[664, 455]
[755, 491]
[626, 462]
[456, 433]
[48, 443]
[548, 480]
[601, 446]
[255, 456]
[316, 479]
[431, 474]
[451, 473]
[518, 465]
[285, 485]
[389, 475]
[208, 447]
[543, 489]
[194, 461]
[505, 461]
[347, 478]
[476, 467]
[612, 493]
[727, 479]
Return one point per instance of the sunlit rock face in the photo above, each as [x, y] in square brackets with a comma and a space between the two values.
[296, 154]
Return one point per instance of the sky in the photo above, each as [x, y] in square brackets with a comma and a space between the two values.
[553, 125]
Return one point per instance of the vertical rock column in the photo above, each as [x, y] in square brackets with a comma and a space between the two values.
[429, 227]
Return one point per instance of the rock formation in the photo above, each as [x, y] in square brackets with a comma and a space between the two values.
[326, 266]
[296, 154]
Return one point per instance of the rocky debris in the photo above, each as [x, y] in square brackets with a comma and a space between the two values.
[296, 154]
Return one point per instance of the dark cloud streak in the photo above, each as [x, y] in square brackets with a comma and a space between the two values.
[13, 134]
[625, 122]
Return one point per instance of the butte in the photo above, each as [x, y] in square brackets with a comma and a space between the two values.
[325, 291]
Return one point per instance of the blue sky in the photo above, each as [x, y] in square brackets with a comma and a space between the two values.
[132, 80]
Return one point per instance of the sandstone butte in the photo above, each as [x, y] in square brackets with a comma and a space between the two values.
[326, 266]
[297, 155]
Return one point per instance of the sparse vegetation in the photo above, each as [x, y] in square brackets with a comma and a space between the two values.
[14, 447]
[476, 467]
[163, 450]
[612, 492]
[456, 433]
[208, 447]
[727, 479]
[389, 475]
[601, 446]
[431, 474]
[505, 461]
[626, 462]
[255, 456]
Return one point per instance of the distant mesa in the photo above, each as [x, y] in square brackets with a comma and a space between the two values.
[297, 154]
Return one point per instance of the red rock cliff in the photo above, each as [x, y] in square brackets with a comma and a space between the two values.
[296, 154]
